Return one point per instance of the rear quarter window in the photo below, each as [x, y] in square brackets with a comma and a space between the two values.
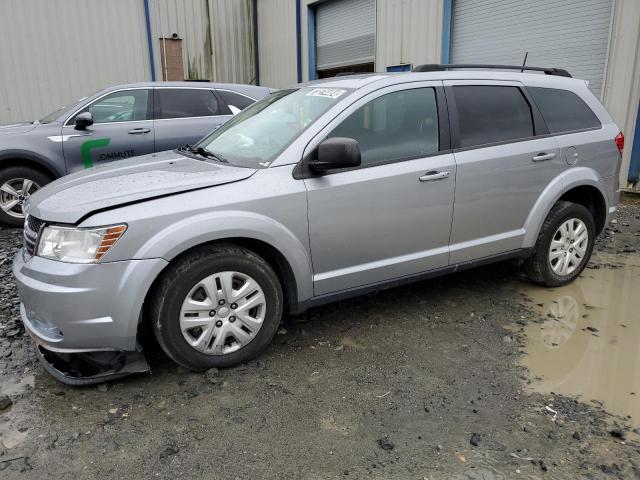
[563, 111]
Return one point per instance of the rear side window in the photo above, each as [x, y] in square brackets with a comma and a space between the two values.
[490, 114]
[185, 102]
[235, 99]
[564, 111]
[396, 126]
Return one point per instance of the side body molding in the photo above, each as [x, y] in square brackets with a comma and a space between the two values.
[207, 227]
[564, 182]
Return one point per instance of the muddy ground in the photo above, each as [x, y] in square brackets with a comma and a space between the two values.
[425, 381]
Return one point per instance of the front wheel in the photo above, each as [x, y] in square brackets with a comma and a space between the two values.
[564, 245]
[17, 183]
[218, 306]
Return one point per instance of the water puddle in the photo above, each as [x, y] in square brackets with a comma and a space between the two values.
[589, 342]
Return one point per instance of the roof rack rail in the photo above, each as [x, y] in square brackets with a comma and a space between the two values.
[437, 67]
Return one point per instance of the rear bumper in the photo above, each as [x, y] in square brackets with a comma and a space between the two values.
[72, 308]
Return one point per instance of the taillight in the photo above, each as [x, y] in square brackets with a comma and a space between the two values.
[620, 142]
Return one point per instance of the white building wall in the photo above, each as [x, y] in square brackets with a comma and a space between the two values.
[55, 52]
[622, 78]
[277, 42]
[408, 31]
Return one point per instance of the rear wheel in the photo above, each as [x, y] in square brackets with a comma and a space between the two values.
[564, 245]
[216, 307]
[17, 184]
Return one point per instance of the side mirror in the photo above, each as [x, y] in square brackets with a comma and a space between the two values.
[337, 152]
[84, 120]
[234, 110]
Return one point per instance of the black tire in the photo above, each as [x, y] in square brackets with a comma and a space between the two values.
[10, 173]
[537, 267]
[176, 282]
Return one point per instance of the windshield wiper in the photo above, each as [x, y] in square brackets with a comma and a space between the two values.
[203, 152]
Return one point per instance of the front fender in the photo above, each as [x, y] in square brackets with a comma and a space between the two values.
[207, 227]
[564, 182]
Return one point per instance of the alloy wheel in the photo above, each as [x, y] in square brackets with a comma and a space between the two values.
[14, 194]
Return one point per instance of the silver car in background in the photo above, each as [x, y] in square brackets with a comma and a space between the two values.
[316, 193]
[116, 123]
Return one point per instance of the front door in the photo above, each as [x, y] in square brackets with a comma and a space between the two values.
[505, 160]
[391, 217]
[122, 128]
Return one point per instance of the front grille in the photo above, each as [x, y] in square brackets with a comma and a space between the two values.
[32, 226]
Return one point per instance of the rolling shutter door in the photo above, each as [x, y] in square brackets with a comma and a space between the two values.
[345, 33]
[571, 34]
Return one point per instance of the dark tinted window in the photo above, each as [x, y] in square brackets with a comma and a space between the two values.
[235, 99]
[563, 110]
[185, 102]
[398, 125]
[489, 114]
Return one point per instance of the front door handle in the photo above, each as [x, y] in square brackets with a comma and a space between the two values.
[433, 175]
[541, 157]
[138, 131]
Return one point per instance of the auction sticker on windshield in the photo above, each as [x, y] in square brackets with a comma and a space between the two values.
[326, 92]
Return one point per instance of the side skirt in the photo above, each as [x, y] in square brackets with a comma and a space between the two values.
[396, 282]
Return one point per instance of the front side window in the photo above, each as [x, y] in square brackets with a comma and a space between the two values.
[490, 114]
[395, 126]
[563, 111]
[185, 103]
[259, 133]
[124, 106]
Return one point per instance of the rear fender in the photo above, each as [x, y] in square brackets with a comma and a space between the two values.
[564, 182]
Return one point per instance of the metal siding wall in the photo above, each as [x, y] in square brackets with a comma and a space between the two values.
[622, 83]
[277, 42]
[56, 52]
[217, 37]
[232, 32]
[573, 34]
[408, 31]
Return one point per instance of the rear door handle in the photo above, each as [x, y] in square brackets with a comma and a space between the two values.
[433, 175]
[138, 131]
[541, 157]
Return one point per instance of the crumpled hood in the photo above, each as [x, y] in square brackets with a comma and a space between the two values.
[16, 128]
[70, 198]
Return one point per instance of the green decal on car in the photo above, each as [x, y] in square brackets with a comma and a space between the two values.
[89, 145]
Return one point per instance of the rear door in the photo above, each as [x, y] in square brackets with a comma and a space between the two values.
[122, 128]
[390, 217]
[185, 115]
[505, 158]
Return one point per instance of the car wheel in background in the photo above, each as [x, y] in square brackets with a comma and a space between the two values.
[217, 306]
[16, 185]
[564, 245]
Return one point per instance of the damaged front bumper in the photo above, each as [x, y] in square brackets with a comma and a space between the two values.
[90, 368]
[85, 314]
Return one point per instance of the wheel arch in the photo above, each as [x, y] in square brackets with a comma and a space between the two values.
[21, 160]
[578, 185]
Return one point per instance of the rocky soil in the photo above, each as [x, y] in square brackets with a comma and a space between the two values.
[417, 382]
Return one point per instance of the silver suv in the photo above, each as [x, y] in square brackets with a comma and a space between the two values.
[317, 193]
[118, 122]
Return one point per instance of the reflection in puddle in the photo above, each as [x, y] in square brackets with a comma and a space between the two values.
[588, 343]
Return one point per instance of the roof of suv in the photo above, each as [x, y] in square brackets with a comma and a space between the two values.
[359, 81]
[193, 84]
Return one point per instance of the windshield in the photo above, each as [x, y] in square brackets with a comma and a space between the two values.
[254, 137]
